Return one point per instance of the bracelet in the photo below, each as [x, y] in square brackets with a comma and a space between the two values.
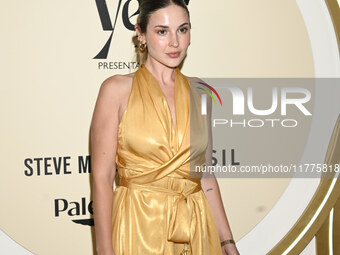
[227, 241]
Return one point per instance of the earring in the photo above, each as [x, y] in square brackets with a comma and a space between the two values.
[142, 47]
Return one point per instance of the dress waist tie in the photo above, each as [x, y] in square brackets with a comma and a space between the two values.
[181, 209]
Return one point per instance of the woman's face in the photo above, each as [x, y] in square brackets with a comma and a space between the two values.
[168, 35]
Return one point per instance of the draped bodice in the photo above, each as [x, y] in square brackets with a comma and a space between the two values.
[149, 148]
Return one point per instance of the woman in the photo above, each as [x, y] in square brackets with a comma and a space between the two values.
[141, 125]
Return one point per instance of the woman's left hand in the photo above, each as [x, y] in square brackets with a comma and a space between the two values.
[230, 249]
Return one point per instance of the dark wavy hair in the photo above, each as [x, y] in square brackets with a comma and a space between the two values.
[146, 9]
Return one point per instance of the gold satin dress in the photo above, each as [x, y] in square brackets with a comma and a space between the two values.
[158, 206]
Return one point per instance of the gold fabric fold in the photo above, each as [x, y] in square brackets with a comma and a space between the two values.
[180, 211]
[158, 207]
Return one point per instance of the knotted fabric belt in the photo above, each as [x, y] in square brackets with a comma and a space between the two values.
[179, 221]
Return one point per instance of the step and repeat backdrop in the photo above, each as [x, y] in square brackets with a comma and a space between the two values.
[56, 54]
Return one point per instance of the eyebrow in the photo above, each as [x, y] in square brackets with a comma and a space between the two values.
[162, 26]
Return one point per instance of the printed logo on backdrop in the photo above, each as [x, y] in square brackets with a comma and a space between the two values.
[80, 210]
[113, 14]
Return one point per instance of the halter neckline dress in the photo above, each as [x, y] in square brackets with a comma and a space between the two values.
[159, 206]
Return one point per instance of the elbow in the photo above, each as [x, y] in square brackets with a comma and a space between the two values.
[103, 179]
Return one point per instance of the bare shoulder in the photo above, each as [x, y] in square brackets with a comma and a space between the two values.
[117, 86]
[113, 96]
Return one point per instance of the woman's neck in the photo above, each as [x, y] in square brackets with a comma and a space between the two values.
[164, 74]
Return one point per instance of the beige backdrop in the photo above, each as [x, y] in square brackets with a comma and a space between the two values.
[49, 85]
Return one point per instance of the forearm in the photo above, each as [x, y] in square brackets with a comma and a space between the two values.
[102, 212]
[213, 195]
